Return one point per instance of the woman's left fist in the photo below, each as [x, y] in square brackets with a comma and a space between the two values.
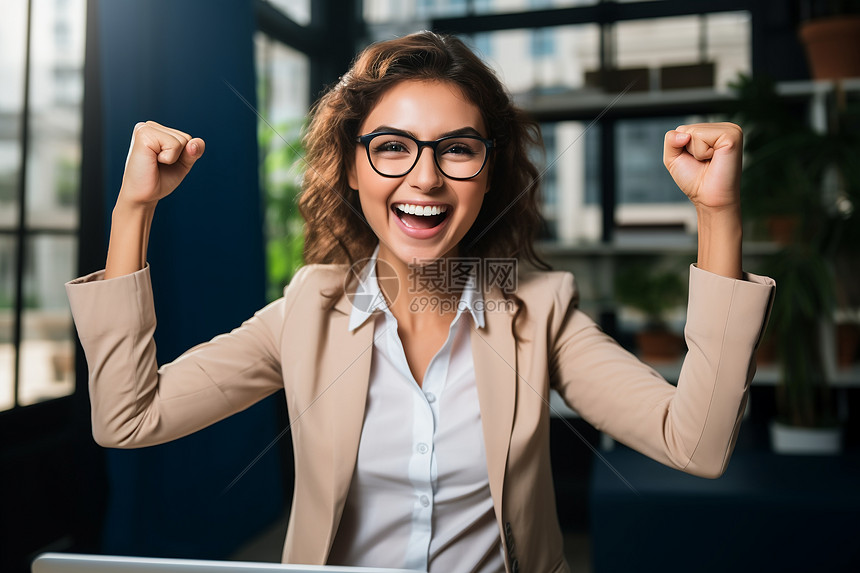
[705, 160]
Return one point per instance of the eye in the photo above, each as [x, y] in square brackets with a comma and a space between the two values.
[461, 147]
[391, 146]
[388, 145]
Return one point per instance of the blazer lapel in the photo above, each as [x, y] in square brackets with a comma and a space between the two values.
[495, 357]
[348, 368]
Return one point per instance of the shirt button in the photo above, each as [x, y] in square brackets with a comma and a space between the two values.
[431, 397]
[422, 448]
[425, 501]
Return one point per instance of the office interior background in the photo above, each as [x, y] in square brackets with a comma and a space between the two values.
[605, 79]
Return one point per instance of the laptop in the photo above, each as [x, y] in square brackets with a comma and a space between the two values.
[79, 563]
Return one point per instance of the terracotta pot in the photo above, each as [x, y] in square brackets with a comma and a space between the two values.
[766, 353]
[847, 344]
[832, 47]
[616, 80]
[688, 76]
[782, 228]
[656, 346]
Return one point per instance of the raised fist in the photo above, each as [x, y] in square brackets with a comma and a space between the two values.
[159, 158]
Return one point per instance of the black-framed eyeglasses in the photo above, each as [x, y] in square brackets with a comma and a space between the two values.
[458, 157]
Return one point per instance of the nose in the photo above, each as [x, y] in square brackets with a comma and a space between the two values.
[425, 175]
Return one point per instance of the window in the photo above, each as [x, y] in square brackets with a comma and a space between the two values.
[298, 11]
[544, 59]
[437, 8]
[571, 180]
[549, 179]
[501, 6]
[482, 44]
[543, 43]
[722, 39]
[282, 99]
[650, 205]
[40, 154]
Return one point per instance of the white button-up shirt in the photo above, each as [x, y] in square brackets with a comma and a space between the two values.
[420, 495]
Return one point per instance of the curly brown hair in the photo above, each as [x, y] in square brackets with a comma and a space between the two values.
[509, 219]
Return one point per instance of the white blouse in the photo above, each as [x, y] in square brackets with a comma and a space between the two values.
[420, 495]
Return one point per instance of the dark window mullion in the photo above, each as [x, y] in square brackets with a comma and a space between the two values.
[22, 209]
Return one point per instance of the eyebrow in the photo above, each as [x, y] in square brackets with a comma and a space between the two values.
[460, 131]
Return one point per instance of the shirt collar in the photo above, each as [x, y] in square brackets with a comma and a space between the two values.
[472, 299]
[368, 299]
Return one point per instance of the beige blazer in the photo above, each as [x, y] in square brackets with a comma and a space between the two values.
[301, 343]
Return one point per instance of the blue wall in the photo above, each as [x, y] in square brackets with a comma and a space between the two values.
[168, 61]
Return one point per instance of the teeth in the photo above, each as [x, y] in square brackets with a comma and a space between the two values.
[423, 210]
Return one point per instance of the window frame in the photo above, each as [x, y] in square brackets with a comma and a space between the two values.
[24, 232]
[606, 15]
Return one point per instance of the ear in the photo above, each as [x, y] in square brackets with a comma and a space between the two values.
[351, 175]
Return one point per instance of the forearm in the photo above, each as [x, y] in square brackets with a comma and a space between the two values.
[691, 427]
[129, 238]
[135, 402]
[720, 238]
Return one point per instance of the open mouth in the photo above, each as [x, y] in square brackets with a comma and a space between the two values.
[420, 216]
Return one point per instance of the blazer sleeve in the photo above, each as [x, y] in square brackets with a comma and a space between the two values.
[134, 402]
[692, 426]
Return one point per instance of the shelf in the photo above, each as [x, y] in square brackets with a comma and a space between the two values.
[643, 246]
[768, 375]
[588, 103]
[804, 89]
[765, 376]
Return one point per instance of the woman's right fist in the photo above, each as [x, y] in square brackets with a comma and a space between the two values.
[158, 159]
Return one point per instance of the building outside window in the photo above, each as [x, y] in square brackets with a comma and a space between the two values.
[39, 190]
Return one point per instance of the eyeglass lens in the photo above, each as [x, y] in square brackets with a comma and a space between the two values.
[459, 157]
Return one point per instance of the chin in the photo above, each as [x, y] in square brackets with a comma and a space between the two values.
[422, 256]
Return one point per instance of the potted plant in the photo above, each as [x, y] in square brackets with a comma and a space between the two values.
[830, 32]
[794, 172]
[281, 170]
[653, 290]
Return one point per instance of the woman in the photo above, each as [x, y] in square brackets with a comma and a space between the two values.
[417, 381]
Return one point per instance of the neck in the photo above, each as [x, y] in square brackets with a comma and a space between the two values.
[419, 293]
